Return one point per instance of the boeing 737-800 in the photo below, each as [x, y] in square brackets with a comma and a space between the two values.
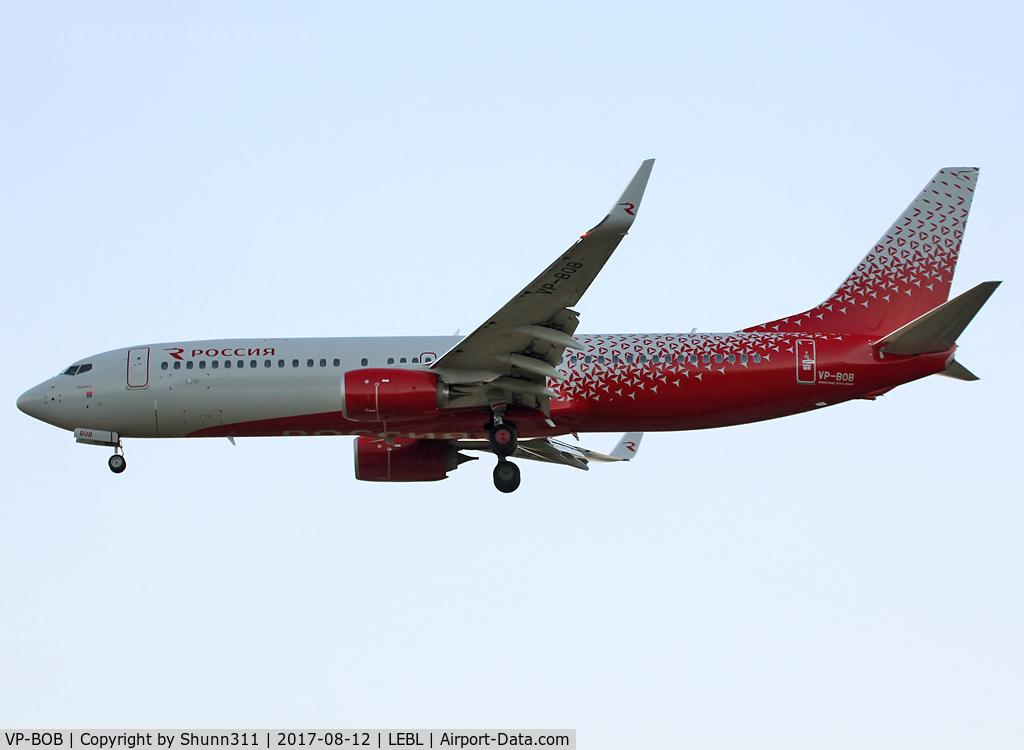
[524, 377]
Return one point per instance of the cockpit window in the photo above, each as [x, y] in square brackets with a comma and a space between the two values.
[84, 368]
[71, 370]
[77, 369]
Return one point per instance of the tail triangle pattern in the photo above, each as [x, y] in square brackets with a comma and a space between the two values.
[907, 273]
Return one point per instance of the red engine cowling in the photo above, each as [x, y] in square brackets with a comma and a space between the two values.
[408, 460]
[388, 394]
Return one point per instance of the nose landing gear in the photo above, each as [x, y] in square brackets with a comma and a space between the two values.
[116, 462]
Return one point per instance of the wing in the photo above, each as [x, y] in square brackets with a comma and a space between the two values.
[554, 451]
[512, 354]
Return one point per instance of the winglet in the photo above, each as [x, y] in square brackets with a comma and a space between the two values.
[628, 446]
[621, 215]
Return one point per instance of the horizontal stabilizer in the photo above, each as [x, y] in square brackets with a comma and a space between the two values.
[958, 372]
[938, 330]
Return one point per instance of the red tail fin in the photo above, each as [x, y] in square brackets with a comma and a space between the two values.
[907, 273]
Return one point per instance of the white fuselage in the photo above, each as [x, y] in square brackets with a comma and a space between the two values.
[176, 389]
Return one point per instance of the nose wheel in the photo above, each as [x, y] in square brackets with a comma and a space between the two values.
[506, 476]
[116, 462]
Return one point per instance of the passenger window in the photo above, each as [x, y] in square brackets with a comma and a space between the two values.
[743, 359]
[163, 365]
[280, 363]
[629, 359]
[202, 364]
[600, 359]
[415, 360]
[757, 357]
[706, 358]
[309, 363]
[391, 360]
[337, 362]
[84, 368]
[215, 364]
[188, 365]
[732, 359]
[642, 359]
[364, 361]
[615, 359]
[323, 363]
[266, 363]
[587, 359]
[227, 364]
[241, 364]
[693, 359]
[252, 363]
[655, 359]
[295, 363]
[718, 358]
[401, 361]
[177, 365]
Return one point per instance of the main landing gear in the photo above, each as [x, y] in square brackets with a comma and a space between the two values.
[506, 476]
[502, 437]
[116, 462]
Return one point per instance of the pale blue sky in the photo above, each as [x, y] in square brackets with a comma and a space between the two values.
[848, 578]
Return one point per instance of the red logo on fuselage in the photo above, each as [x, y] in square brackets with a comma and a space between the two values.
[240, 351]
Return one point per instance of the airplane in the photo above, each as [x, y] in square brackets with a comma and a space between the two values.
[524, 378]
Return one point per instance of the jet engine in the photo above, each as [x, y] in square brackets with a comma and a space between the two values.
[408, 460]
[390, 394]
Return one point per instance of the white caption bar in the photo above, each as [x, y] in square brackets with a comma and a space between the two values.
[281, 739]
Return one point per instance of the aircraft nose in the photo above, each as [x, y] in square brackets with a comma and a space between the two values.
[31, 402]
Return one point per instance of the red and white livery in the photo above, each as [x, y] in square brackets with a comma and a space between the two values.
[524, 377]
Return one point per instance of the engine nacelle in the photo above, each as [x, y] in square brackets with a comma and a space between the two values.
[388, 394]
[408, 460]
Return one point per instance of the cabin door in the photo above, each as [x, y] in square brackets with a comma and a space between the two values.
[138, 367]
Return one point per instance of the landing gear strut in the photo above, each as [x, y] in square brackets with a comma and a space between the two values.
[501, 434]
[116, 462]
[506, 476]
[502, 437]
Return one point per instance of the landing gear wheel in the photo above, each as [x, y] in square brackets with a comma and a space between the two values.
[503, 439]
[506, 476]
[117, 463]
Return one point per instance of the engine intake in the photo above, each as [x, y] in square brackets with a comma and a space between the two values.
[389, 394]
[408, 460]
